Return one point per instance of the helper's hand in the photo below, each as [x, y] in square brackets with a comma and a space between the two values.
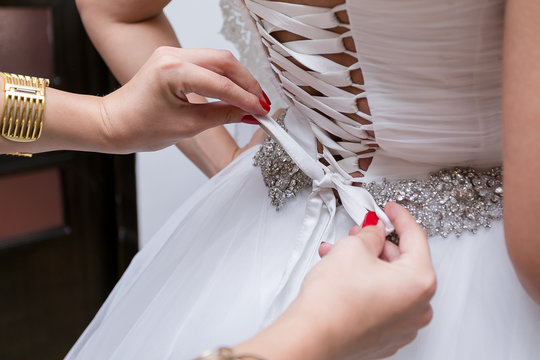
[367, 306]
[354, 304]
[151, 111]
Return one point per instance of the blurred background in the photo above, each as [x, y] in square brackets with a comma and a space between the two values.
[166, 178]
[71, 222]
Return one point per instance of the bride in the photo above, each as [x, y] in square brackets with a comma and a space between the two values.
[402, 97]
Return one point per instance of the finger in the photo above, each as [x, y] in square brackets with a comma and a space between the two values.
[192, 78]
[224, 63]
[412, 238]
[324, 249]
[390, 252]
[372, 238]
[355, 230]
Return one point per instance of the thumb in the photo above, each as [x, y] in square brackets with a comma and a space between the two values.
[209, 115]
[325, 248]
[412, 238]
[372, 237]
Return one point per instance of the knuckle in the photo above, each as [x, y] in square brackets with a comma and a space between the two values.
[227, 60]
[227, 56]
[166, 60]
[230, 117]
[427, 284]
[190, 128]
[162, 51]
[431, 284]
[426, 317]
[409, 339]
[226, 86]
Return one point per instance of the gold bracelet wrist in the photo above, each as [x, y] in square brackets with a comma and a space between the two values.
[24, 105]
[225, 353]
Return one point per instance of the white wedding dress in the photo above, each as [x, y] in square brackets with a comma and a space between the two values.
[227, 263]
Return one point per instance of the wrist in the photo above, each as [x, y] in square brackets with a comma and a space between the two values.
[73, 122]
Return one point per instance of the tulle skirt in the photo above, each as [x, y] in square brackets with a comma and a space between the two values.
[210, 275]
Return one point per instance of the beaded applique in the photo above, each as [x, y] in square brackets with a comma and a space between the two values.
[281, 175]
[449, 201]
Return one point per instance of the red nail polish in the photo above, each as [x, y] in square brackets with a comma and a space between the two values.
[267, 99]
[371, 219]
[249, 119]
[265, 106]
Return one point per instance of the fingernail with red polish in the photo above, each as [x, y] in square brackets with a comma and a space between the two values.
[265, 106]
[371, 219]
[249, 119]
[267, 99]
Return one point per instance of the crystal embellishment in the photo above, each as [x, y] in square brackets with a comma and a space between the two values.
[449, 201]
[280, 174]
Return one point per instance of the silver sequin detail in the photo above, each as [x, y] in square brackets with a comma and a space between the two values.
[449, 201]
[280, 174]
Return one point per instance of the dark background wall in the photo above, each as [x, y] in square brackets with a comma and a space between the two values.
[68, 222]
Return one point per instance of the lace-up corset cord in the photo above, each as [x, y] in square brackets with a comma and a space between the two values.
[301, 65]
[316, 85]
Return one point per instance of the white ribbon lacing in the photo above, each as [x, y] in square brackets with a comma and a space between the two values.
[326, 118]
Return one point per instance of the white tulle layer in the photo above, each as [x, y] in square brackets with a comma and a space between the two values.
[209, 275]
[206, 278]
[480, 309]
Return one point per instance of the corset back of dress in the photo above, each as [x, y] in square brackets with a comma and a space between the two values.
[431, 71]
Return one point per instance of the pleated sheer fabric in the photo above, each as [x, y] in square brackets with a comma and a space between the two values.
[226, 263]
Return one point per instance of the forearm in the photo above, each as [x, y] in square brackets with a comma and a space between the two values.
[521, 147]
[211, 150]
[126, 37]
[70, 122]
[290, 337]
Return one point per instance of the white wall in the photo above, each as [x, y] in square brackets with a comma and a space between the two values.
[166, 178]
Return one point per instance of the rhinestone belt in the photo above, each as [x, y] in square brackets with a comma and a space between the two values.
[281, 175]
[448, 201]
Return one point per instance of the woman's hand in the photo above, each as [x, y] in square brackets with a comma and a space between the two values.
[374, 306]
[152, 111]
[126, 34]
[355, 304]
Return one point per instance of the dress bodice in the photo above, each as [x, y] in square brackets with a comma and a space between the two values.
[431, 71]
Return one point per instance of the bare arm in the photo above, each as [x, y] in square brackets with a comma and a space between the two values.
[60, 132]
[521, 116]
[126, 32]
[125, 120]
